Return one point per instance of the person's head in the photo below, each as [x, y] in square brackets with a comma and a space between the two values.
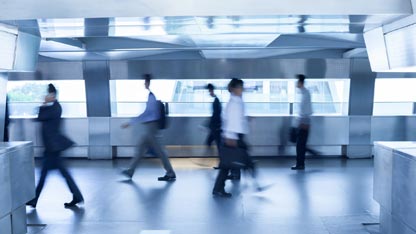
[51, 93]
[236, 87]
[301, 80]
[147, 78]
[211, 88]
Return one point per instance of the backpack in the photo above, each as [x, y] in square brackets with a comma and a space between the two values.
[163, 123]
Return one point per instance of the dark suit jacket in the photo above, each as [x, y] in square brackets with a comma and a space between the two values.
[215, 123]
[53, 139]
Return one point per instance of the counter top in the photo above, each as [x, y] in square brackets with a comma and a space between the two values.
[396, 144]
[10, 146]
[408, 153]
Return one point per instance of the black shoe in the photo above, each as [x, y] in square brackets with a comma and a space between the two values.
[74, 202]
[221, 194]
[127, 173]
[32, 203]
[167, 178]
[298, 167]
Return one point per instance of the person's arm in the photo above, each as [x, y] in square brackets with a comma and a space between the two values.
[149, 112]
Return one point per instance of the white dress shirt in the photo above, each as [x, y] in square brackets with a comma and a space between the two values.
[234, 119]
[305, 109]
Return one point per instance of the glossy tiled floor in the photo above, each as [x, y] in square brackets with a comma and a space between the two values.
[333, 196]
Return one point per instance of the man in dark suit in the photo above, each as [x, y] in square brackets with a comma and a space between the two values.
[55, 142]
[215, 121]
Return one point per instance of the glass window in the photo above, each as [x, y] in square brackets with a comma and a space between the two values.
[394, 97]
[263, 97]
[26, 96]
[329, 96]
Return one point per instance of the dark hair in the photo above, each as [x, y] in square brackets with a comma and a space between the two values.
[210, 87]
[301, 78]
[234, 83]
[51, 89]
[147, 77]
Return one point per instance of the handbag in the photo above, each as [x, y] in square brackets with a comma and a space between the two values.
[293, 134]
[233, 157]
[61, 143]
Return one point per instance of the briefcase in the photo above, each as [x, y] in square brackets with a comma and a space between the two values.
[293, 135]
[233, 157]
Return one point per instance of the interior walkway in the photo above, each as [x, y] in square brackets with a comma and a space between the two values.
[333, 196]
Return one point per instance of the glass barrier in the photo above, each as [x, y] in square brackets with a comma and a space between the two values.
[26, 96]
[262, 96]
[393, 108]
[31, 109]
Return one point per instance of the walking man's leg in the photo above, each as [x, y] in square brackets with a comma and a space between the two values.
[76, 193]
[161, 152]
[141, 148]
[301, 149]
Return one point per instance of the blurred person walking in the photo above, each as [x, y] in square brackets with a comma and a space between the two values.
[215, 121]
[152, 120]
[235, 127]
[304, 123]
[55, 143]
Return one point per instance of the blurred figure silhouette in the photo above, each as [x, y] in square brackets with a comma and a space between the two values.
[151, 120]
[304, 122]
[55, 142]
[235, 127]
[215, 121]
[6, 121]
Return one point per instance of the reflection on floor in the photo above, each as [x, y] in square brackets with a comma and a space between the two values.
[333, 196]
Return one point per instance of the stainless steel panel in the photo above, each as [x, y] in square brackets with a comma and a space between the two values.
[393, 128]
[77, 130]
[99, 138]
[97, 85]
[76, 152]
[329, 131]
[99, 131]
[122, 137]
[25, 130]
[22, 175]
[219, 68]
[52, 71]
[5, 186]
[6, 225]
[19, 220]
[360, 130]
[404, 191]
[359, 151]
[268, 136]
[376, 49]
[383, 176]
[29, 130]
[362, 82]
[27, 52]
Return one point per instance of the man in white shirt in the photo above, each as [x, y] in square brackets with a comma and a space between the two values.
[304, 122]
[235, 127]
[149, 118]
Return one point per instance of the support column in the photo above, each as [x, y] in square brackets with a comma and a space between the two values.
[360, 109]
[97, 76]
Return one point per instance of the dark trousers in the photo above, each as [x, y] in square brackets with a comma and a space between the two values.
[53, 161]
[214, 135]
[301, 149]
[6, 134]
[223, 172]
